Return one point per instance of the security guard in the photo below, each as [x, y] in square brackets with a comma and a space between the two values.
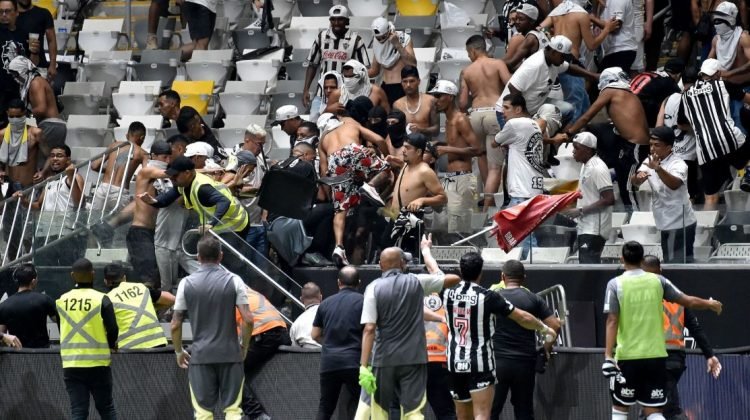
[436, 333]
[134, 309]
[88, 331]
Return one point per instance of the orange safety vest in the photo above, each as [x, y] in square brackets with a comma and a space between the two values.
[436, 332]
[265, 316]
[674, 325]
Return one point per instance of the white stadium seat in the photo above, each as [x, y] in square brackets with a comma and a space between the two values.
[87, 131]
[210, 65]
[303, 31]
[153, 125]
[243, 97]
[242, 121]
[99, 34]
[367, 7]
[82, 98]
[314, 7]
[456, 36]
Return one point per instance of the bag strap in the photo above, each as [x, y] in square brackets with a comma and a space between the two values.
[398, 187]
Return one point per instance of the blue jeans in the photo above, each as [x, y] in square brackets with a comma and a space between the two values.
[530, 241]
[256, 237]
[500, 119]
[574, 89]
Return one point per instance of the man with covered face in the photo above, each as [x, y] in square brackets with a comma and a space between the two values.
[356, 84]
[19, 148]
[392, 50]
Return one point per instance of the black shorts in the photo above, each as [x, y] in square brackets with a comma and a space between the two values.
[200, 20]
[642, 381]
[682, 17]
[163, 7]
[463, 384]
[140, 242]
[393, 91]
[715, 175]
[622, 59]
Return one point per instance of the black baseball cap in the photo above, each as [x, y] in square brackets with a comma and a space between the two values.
[178, 165]
[663, 133]
[161, 147]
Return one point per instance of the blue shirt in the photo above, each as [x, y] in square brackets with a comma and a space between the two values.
[338, 316]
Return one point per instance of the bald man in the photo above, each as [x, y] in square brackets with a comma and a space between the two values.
[301, 330]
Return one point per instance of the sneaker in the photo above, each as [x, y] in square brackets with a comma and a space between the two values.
[745, 183]
[339, 256]
[369, 192]
[315, 259]
[152, 43]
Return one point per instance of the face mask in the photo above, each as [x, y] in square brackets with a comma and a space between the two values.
[380, 128]
[351, 82]
[722, 29]
[157, 164]
[17, 123]
[397, 132]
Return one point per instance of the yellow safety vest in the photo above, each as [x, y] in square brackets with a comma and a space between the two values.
[234, 220]
[136, 317]
[83, 339]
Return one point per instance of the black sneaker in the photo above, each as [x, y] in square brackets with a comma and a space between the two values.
[745, 183]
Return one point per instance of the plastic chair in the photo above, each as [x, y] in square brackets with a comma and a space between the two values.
[314, 7]
[283, 9]
[109, 67]
[425, 63]
[62, 34]
[455, 37]
[136, 98]
[243, 97]
[100, 34]
[420, 28]
[296, 69]
[82, 98]
[249, 38]
[230, 137]
[195, 93]
[417, 7]
[265, 68]
[287, 92]
[368, 7]
[642, 218]
[87, 130]
[362, 25]
[279, 139]
[471, 7]
[302, 32]
[618, 219]
[242, 121]
[210, 65]
[496, 256]
[644, 234]
[737, 200]
[157, 65]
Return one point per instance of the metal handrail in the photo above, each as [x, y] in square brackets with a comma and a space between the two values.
[555, 298]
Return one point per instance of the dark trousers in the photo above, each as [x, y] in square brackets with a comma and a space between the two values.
[677, 244]
[675, 368]
[590, 249]
[438, 394]
[622, 59]
[319, 225]
[620, 154]
[262, 349]
[96, 382]
[330, 388]
[518, 377]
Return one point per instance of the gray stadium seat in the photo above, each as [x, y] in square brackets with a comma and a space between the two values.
[455, 37]
[82, 98]
[550, 255]
[99, 34]
[210, 65]
[87, 131]
[242, 121]
[287, 92]
[420, 28]
[243, 97]
[302, 31]
[367, 7]
[471, 7]
[450, 254]
[314, 7]
[109, 67]
[157, 65]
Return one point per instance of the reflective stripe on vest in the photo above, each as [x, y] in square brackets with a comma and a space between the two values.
[674, 325]
[83, 339]
[234, 220]
[136, 317]
[437, 340]
[265, 316]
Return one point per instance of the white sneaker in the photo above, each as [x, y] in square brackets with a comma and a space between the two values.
[370, 192]
[152, 43]
[339, 256]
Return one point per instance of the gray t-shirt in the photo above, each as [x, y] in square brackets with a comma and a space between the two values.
[210, 296]
[611, 296]
[395, 303]
[170, 220]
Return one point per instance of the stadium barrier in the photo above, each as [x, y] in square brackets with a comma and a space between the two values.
[150, 386]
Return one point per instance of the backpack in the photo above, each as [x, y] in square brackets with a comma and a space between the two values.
[289, 188]
[640, 80]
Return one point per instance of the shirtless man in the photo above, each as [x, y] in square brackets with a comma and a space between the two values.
[392, 50]
[140, 238]
[461, 148]
[356, 83]
[618, 145]
[341, 152]
[419, 108]
[417, 187]
[528, 40]
[20, 147]
[483, 80]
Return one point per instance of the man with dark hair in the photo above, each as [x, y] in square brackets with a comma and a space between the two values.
[14, 41]
[419, 108]
[308, 132]
[634, 308]
[24, 314]
[667, 174]
[169, 106]
[88, 332]
[214, 363]
[676, 319]
[470, 312]
[191, 125]
[481, 84]
[515, 347]
[179, 143]
[336, 327]
[528, 39]
[33, 19]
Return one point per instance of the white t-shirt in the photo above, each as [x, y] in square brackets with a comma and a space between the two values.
[523, 137]
[684, 143]
[624, 39]
[301, 330]
[534, 78]
[595, 178]
[668, 205]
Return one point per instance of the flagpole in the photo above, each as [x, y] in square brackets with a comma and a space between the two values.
[480, 233]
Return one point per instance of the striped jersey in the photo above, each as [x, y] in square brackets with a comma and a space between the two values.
[470, 312]
[333, 52]
[706, 105]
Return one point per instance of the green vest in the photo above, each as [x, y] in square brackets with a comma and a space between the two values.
[640, 332]
[83, 339]
[136, 317]
[234, 220]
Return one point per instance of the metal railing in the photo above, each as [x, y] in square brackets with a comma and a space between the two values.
[555, 298]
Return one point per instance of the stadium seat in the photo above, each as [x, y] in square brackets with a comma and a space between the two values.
[235, 10]
[456, 36]
[425, 63]
[69, 7]
[367, 7]
[282, 10]
[568, 169]
[551, 255]
[242, 121]
[555, 236]
[287, 92]
[314, 7]
[705, 227]
[645, 234]
[618, 219]
[265, 68]
[109, 67]
[732, 250]
[450, 254]
[62, 33]
[451, 63]
[136, 98]
[737, 200]
[210, 65]
[138, 9]
[297, 68]
[243, 97]
[195, 93]
[417, 7]
[230, 137]
[82, 98]
[249, 38]
[363, 26]
[279, 139]
[153, 125]
[303, 30]
[612, 252]
[87, 130]
[471, 7]
[642, 218]
[100, 34]
[420, 28]
[496, 256]
[157, 65]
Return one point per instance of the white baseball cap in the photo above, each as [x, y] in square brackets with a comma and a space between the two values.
[710, 66]
[199, 148]
[727, 9]
[444, 86]
[380, 26]
[338, 11]
[286, 112]
[586, 139]
[561, 44]
[529, 10]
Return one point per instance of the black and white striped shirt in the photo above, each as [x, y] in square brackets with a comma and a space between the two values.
[333, 52]
[470, 312]
[706, 105]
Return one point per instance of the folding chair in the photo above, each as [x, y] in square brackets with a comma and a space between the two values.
[100, 34]
[157, 65]
[136, 98]
[210, 65]
[82, 98]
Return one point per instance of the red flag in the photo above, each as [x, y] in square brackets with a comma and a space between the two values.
[514, 224]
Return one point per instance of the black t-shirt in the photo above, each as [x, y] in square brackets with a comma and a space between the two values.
[339, 317]
[36, 21]
[25, 315]
[512, 341]
[12, 44]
